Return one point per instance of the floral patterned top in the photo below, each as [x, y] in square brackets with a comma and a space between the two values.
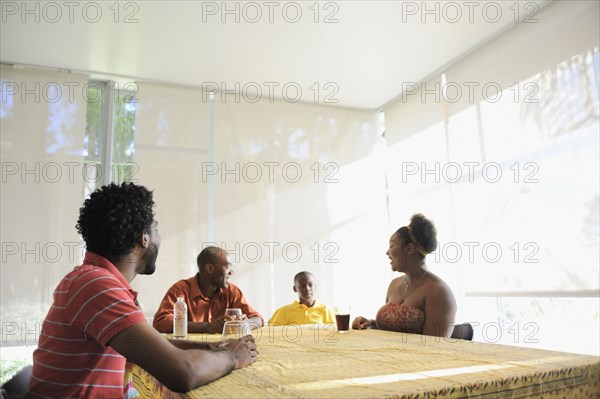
[400, 318]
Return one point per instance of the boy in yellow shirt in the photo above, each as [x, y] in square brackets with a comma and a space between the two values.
[306, 310]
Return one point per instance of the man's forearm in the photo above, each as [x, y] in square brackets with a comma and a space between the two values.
[166, 327]
[163, 324]
[211, 365]
[205, 327]
[185, 344]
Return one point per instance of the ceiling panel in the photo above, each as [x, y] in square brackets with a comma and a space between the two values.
[347, 53]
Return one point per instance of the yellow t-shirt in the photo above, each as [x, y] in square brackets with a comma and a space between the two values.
[298, 313]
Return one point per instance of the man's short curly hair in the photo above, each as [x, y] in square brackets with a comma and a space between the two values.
[111, 220]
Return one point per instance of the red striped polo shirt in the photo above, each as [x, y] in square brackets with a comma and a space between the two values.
[92, 304]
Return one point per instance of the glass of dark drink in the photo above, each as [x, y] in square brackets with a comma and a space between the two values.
[342, 318]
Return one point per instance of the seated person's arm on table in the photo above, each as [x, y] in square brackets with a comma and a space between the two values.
[179, 370]
[239, 301]
[163, 319]
[216, 326]
[212, 327]
[361, 323]
[440, 310]
[186, 344]
[255, 322]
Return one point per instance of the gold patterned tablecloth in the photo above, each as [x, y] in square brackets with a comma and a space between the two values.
[310, 362]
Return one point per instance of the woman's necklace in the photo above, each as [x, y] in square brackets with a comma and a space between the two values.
[420, 278]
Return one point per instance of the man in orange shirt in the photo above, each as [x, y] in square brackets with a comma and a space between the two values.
[207, 295]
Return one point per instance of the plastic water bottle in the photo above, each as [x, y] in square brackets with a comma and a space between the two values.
[180, 318]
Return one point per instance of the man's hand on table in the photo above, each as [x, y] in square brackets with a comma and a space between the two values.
[244, 350]
[216, 326]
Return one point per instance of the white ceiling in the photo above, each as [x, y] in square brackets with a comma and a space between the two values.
[367, 54]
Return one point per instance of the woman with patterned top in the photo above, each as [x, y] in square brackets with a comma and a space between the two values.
[419, 302]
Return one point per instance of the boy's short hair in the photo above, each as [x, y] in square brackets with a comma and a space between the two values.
[303, 273]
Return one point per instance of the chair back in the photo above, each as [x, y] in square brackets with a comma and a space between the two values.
[18, 385]
[463, 331]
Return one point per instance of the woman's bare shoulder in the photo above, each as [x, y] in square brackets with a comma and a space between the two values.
[397, 281]
[437, 286]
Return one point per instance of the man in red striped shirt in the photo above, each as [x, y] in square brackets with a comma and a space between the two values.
[94, 324]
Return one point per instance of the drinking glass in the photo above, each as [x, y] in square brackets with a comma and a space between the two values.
[236, 313]
[342, 318]
[235, 329]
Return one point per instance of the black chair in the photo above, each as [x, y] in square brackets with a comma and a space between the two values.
[18, 385]
[463, 331]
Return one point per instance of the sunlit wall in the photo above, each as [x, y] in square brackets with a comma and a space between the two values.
[501, 150]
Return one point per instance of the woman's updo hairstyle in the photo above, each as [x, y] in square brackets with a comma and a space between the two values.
[421, 232]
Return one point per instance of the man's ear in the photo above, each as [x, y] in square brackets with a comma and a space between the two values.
[294, 288]
[145, 240]
[209, 268]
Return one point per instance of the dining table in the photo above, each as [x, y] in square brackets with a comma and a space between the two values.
[318, 361]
